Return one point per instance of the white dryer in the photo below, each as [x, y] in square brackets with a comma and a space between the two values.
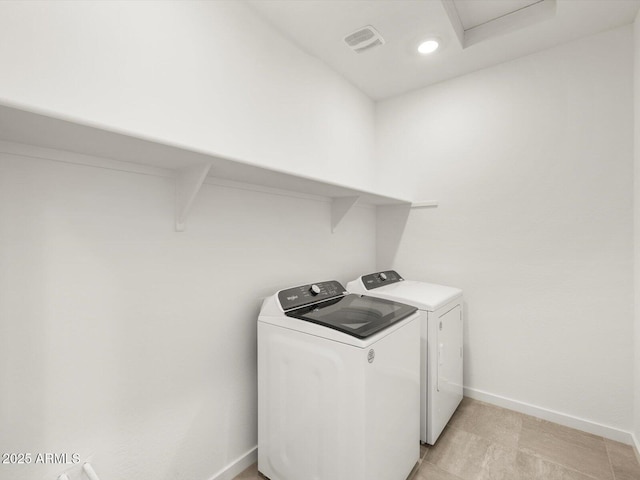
[338, 386]
[441, 313]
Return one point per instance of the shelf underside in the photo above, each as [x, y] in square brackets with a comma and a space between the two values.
[26, 127]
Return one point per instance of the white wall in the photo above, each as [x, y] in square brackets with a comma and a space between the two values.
[532, 164]
[123, 341]
[210, 75]
[132, 344]
[636, 152]
[120, 339]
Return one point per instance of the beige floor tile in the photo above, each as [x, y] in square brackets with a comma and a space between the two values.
[623, 461]
[463, 412]
[251, 473]
[565, 446]
[529, 467]
[488, 421]
[458, 452]
[483, 442]
[471, 457]
[423, 450]
[413, 475]
[578, 437]
[429, 471]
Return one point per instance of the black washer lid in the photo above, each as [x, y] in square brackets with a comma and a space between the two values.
[357, 315]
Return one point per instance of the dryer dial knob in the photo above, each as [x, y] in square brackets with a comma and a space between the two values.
[383, 276]
[315, 289]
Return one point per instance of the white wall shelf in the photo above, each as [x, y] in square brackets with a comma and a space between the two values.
[191, 166]
[428, 204]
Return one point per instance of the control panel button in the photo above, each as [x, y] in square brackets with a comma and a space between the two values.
[309, 293]
[380, 279]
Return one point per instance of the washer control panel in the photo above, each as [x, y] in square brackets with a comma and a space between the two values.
[379, 279]
[305, 294]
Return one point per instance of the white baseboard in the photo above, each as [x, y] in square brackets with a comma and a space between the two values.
[595, 428]
[238, 466]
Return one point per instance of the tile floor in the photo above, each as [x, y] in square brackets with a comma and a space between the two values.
[485, 442]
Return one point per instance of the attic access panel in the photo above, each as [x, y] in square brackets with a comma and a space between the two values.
[473, 13]
[475, 21]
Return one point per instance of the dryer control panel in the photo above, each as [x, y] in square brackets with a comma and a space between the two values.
[306, 294]
[379, 279]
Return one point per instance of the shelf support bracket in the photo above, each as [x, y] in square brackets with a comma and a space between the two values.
[188, 182]
[340, 206]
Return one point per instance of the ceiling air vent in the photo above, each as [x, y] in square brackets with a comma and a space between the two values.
[364, 39]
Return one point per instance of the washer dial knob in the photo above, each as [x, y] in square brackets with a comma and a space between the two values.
[383, 276]
[315, 289]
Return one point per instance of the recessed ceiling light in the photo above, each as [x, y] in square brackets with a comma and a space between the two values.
[428, 46]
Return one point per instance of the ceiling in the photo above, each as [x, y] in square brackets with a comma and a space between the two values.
[473, 13]
[473, 34]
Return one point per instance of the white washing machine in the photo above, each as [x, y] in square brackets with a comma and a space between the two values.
[338, 386]
[441, 311]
